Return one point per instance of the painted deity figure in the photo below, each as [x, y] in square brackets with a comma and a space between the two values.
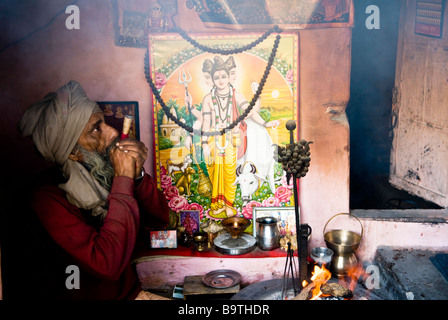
[220, 107]
[219, 153]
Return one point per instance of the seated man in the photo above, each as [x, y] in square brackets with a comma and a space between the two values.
[97, 199]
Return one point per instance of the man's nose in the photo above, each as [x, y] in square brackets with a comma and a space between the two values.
[112, 133]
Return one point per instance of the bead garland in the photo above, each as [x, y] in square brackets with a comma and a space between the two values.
[218, 108]
[230, 51]
[257, 94]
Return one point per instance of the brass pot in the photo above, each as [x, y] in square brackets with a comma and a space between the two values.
[344, 243]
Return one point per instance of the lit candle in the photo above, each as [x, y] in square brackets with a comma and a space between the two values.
[235, 224]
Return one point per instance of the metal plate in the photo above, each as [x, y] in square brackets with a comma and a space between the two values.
[224, 243]
[221, 279]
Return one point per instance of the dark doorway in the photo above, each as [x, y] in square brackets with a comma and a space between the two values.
[372, 81]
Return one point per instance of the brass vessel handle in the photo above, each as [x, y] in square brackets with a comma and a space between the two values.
[345, 213]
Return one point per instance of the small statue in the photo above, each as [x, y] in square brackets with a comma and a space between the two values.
[156, 20]
[211, 227]
[184, 182]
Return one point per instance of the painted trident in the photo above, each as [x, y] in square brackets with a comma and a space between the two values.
[204, 186]
[185, 79]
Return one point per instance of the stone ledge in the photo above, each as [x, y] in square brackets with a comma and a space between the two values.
[408, 274]
[429, 216]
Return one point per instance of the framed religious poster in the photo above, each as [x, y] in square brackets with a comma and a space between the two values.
[189, 219]
[163, 239]
[220, 105]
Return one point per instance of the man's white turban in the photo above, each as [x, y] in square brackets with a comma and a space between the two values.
[55, 124]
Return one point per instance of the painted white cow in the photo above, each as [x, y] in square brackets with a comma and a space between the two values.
[257, 164]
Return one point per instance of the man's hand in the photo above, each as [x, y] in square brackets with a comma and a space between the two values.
[128, 158]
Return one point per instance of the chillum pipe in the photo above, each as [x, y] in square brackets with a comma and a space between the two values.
[126, 127]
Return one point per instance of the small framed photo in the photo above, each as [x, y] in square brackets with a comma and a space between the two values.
[163, 239]
[190, 220]
[286, 217]
[429, 18]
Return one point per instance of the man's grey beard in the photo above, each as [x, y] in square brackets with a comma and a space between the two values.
[99, 165]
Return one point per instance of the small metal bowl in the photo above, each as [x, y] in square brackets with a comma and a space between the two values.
[321, 255]
[200, 238]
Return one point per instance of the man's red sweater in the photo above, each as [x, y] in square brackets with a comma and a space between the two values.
[102, 251]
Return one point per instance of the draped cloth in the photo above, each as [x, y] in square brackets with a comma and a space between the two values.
[55, 124]
[222, 172]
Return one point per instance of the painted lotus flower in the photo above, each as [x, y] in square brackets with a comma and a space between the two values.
[171, 192]
[178, 203]
[290, 77]
[271, 202]
[283, 194]
[160, 80]
[165, 181]
[197, 207]
[247, 210]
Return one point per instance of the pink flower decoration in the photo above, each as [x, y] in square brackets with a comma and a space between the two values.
[160, 80]
[162, 171]
[171, 192]
[178, 203]
[166, 181]
[271, 202]
[195, 206]
[247, 210]
[290, 77]
[283, 194]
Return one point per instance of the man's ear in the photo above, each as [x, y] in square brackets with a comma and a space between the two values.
[75, 155]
